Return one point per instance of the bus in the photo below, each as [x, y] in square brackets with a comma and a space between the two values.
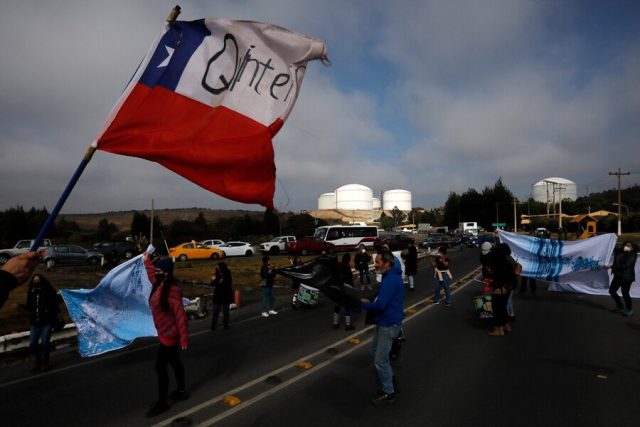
[348, 237]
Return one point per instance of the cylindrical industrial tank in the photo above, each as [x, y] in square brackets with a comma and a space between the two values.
[354, 197]
[396, 198]
[376, 203]
[549, 190]
[327, 201]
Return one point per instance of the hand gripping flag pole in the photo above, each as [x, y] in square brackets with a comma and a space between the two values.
[74, 179]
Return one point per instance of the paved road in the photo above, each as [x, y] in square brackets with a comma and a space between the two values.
[568, 361]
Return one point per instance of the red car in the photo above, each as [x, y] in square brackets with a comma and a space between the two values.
[308, 245]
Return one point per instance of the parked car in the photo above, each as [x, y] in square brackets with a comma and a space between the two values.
[237, 249]
[276, 245]
[21, 247]
[213, 243]
[439, 240]
[193, 250]
[69, 254]
[308, 245]
[542, 233]
[396, 242]
[116, 250]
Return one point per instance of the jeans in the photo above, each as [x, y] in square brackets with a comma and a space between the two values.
[40, 350]
[380, 347]
[216, 314]
[267, 298]
[168, 355]
[444, 283]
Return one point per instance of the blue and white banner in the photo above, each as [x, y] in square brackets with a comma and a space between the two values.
[570, 266]
[116, 312]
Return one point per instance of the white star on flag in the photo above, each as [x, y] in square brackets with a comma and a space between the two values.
[168, 58]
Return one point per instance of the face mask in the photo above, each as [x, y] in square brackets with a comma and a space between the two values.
[627, 249]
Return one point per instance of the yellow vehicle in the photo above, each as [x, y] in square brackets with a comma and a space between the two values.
[194, 250]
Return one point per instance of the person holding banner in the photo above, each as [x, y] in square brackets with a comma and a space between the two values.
[170, 321]
[504, 280]
[16, 271]
[623, 275]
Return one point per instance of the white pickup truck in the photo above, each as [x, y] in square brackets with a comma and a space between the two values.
[276, 245]
[21, 247]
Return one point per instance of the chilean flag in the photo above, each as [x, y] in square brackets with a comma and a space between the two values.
[207, 99]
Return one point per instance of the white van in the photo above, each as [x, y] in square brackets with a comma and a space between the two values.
[347, 237]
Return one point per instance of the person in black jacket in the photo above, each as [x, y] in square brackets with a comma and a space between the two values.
[346, 277]
[623, 275]
[362, 260]
[504, 280]
[411, 264]
[42, 304]
[222, 295]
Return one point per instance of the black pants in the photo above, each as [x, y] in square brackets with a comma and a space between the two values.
[616, 284]
[364, 272]
[216, 314]
[499, 305]
[171, 356]
[523, 284]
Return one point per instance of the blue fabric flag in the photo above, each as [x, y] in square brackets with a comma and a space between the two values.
[116, 312]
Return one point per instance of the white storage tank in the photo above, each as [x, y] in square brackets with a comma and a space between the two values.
[396, 198]
[376, 203]
[327, 201]
[354, 197]
[549, 190]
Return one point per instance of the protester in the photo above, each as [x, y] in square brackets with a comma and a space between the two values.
[295, 284]
[362, 260]
[222, 295]
[267, 274]
[624, 274]
[42, 305]
[487, 268]
[411, 264]
[504, 280]
[346, 277]
[442, 276]
[15, 272]
[170, 321]
[388, 306]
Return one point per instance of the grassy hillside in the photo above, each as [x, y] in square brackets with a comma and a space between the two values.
[122, 219]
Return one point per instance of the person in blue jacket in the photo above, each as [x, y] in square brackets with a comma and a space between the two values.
[388, 306]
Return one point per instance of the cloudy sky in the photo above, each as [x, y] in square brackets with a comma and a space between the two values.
[428, 96]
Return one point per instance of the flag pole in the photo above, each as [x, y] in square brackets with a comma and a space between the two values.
[83, 164]
[63, 198]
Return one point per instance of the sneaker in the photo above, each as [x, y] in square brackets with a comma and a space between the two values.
[179, 395]
[273, 312]
[157, 409]
[412, 289]
[383, 399]
[265, 314]
[627, 313]
[336, 326]
[349, 327]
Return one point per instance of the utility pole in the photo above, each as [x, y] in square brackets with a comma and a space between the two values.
[619, 174]
[515, 217]
[151, 231]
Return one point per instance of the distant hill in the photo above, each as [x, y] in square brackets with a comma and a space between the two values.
[122, 219]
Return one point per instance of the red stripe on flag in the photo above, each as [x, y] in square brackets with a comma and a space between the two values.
[215, 147]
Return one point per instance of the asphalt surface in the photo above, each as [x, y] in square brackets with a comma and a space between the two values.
[568, 361]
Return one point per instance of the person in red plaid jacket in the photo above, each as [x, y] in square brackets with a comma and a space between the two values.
[170, 321]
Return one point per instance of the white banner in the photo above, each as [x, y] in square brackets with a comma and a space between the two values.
[569, 266]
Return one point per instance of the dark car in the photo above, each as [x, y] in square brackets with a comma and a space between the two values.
[116, 250]
[308, 245]
[69, 254]
[542, 233]
[396, 242]
[477, 241]
[437, 240]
